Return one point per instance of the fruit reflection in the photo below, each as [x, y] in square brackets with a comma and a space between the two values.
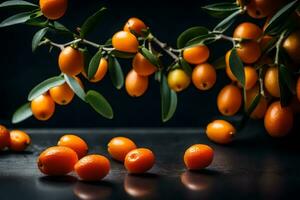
[141, 186]
[90, 191]
[195, 181]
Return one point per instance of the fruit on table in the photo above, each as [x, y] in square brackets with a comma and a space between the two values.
[19, 140]
[220, 131]
[139, 160]
[198, 156]
[74, 142]
[4, 137]
[118, 147]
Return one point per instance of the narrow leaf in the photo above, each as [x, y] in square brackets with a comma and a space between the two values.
[60, 27]
[149, 56]
[287, 77]
[221, 9]
[94, 64]
[17, 3]
[285, 93]
[115, 71]
[87, 58]
[202, 39]
[38, 36]
[186, 67]
[75, 86]
[22, 113]
[168, 100]
[120, 54]
[236, 66]
[16, 19]
[99, 103]
[227, 22]
[45, 86]
[220, 63]
[190, 34]
[253, 104]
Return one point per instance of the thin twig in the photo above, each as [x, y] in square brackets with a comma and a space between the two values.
[165, 47]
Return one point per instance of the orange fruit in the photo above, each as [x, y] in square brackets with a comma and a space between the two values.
[62, 94]
[298, 88]
[139, 160]
[265, 41]
[261, 108]
[249, 51]
[118, 147]
[220, 131]
[136, 25]
[229, 100]
[92, 167]
[198, 156]
[228, 69]
[271, 81]
[57, 160]
[4, 137]
[43, 107]
[53, 9]
[100, 73]
[19, 140]
[178, 80]
[262, 8]
[142, 66]
[204, 76]
[292, 46]
[71, 61]
[125, 41]
[135, 84]
[247, 30]
[278, 120]
[74, 142]
[196, 55]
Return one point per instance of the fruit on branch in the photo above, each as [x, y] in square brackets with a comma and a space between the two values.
[265, 41]
[135, 25]
[292, 46]
[262, 8]
[198, 156]
[249, 51]
[271, 81]
[62, 94]
[204, 76]
[178, 80]
[118, 147]
[74, 142]
[196, 55]
[248, 31]
[4, 137]
[261, 108]
[251, 77]
[125, 41]
[71, 61]
[278, 120]
[229, 100]
[100, 73]
[53, 9]
[43, 107]
[220, 131]
[139, 160]
[142, 66]
[228, 69]
[135, 84]
[19, 140]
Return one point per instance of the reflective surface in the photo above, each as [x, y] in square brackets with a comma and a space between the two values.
[255, 166]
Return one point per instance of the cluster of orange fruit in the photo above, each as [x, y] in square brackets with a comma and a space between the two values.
[71, 154]
[14, 140]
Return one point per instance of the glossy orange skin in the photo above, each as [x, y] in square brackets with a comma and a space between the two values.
[292, 46]
[118, 147]
[220, 131]
[264, 41]
[271, 81]
[262, 8]
[135, 84]
[251, 77]
[178, 80]
[142, 66]
[19, 140]
[62, 94]
[4, 137]
[71, 61]
[278, 120]
[261, 108]
[74, 142]
[136, 25]
[227, 69]
[57, 160]
[247, 30]
[100, 73]
[53, 9]
[298, 89]
[204, 76]
[249, 51]
[43, 107]
[125, 41]
[92, 167]
[229, 100]
[196, 55]
[139, 160]
[198, 156]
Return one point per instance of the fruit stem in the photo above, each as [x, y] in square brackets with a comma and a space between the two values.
[278, 46]
[165, 47]
[231, 39]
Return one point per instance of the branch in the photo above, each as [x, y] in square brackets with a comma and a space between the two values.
[165, 47]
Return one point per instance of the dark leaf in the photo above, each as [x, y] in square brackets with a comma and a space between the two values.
[99, 103]
[285, 93]
[75, 86]
[190, 34]
[115, 71]
[37, 21]
[287, 78]
[237, 67]
[87, 58]
[168, 100]
[221, 9]
[16, 19]
[202, 39]
[253, 104]
[38, 36]
[60, 27]
[186, 67]
[219, 63]
[22, 113]
[227, 22]
[94, 64]
[120, 54]
[149, 56]
[18, 3]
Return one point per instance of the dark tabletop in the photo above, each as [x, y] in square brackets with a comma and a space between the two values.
[254, 166]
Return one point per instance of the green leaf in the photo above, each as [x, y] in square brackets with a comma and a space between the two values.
[115, 71]
[87, 58]
[60, 27]
[108, 42]
[237, 67]
[91, 22]
[219, 63]
[16, 19]
[186, 67]
[45, 86]
[202, 39]
[285, 93]
[168, 100]
[149, 56]
[99, 103]
[190, 34]
[22, 113]
[37, 21]
[253, 104]
[74, 85]
[287, 77]
[276, 23]
[38, 36]
[227, 22]
[18, 3]
[221, 9]
[120, 54]
[94, 64]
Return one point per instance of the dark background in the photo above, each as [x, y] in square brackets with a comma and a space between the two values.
[21, 69]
